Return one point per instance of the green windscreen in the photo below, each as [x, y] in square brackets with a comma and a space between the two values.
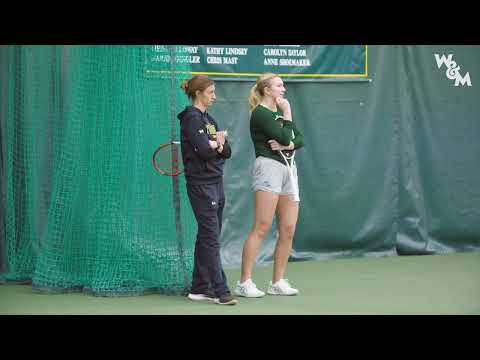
[85, 209]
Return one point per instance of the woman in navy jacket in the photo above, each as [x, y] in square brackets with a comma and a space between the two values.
[204, 151]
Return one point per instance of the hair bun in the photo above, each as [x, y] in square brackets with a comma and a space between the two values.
[184, 85]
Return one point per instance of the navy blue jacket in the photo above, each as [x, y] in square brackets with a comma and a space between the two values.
[202, 164]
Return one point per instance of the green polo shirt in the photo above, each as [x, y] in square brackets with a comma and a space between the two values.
[269, 125]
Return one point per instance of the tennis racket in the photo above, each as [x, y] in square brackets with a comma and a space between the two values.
[167, 159]
[290, 155]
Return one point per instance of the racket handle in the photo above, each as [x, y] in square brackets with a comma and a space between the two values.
[296, 197]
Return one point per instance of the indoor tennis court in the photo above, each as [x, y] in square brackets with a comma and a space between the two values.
[388, 178]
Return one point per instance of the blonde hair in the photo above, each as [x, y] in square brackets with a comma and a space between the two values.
[198, 82]
[257, 91]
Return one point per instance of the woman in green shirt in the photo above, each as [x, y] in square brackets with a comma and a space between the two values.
[272, 130]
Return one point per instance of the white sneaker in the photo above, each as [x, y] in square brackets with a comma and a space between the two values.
[281, 287]
[202, 297]
[248, 289]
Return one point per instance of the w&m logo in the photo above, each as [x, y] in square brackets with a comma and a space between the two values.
[453, 71]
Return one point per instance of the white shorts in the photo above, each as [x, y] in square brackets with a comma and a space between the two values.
[271, 175]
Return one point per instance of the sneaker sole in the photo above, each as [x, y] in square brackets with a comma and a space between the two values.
[249, 296]
[276, 294]
[201, 298]
[231, 302]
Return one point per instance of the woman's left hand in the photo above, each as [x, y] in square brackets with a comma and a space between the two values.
[221, 137]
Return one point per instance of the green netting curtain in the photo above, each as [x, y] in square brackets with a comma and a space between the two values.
[83, 208]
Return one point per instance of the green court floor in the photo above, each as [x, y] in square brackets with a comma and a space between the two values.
[433, 284]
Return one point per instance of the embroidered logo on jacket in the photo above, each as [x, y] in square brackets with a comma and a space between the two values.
[211, 131]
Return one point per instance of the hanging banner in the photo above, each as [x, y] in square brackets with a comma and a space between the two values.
[246, 62]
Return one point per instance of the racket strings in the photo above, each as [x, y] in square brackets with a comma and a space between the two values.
[167, 159]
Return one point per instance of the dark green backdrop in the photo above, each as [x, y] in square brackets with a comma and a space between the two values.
[389, 167]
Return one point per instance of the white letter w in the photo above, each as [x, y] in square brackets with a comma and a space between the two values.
[443, 60]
